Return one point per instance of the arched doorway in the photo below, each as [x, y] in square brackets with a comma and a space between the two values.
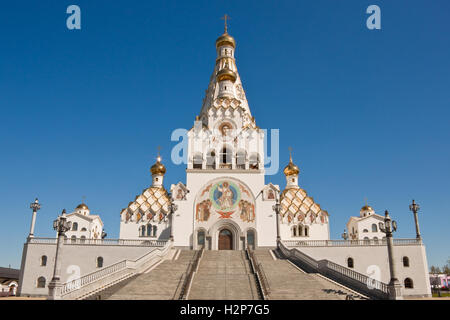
[225, 240]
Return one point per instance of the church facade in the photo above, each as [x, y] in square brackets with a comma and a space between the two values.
[224, 204]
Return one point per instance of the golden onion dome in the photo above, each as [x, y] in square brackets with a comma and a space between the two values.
[224, 40]
[226, 74]
[366, 208]
[158, 167]
[291, 169]
[82, 207]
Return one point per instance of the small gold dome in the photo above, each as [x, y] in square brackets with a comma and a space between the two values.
[291, 169]
[366, 208]
[82, 207]
[158, 167]
[225, 39]
[226, 74]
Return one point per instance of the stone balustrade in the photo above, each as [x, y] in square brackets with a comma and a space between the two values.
[101, 242]
[97, 280]
[349, 243]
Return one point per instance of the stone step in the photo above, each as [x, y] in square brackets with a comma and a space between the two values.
[288, 282]
[161, 283]
[224, 275]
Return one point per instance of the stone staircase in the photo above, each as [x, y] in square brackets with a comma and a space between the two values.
[224, 275]
[160, 283]
[288, 282]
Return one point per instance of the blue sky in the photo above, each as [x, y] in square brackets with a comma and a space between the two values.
[365, 111]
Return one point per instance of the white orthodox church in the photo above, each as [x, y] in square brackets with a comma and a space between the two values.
[224, 204]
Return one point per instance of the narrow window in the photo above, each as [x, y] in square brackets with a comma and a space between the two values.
[155, 229]
[43, 261]
[41, 282]
[149, 230]
[374, 228]
[409, 283]
[73, 239]
[350, 263]
[201, 238]
[405, 261]
[74, 226]
[99, 262]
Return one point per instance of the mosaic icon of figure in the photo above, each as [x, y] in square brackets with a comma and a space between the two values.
[226, 198]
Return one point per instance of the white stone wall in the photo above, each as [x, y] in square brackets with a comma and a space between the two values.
[369, 258]
[74, 257]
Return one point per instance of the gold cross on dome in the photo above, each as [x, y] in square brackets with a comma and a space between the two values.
[226, 17]
[365, 200]
[290, 154]
[84, 199]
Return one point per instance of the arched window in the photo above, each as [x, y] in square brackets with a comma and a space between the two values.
[99, 262]
[155, 229]
[294, 231]
[240, 159]
[405, 261]
[365, 230]
[83, 229]
[73, 239]
[375, 240]
[41, 282]
[350, 263]
[75, 226]
[250, 239]
[374, 228]
[83, 238]
[43, 261]
[409, 283]
[211, 160]
[300, 230]
[149, 230]
[226, 155]
[197, 161]
[201, 238]
[142, 231]
[306, 231]
[254, 161]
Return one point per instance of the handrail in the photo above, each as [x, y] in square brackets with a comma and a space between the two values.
[260, 274]
[135, 266]
[101, 242]
[192, 269]
[341, 274]
[349, 243]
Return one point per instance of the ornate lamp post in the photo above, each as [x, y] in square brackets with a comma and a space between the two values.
[35, 206]
[395, 288]
[61, 225]
[344, 235]
[414, 207]
[276, 207]
[104, 234]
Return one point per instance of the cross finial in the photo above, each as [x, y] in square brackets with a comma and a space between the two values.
[226, 17]
[290, 154]
[159, 155]
[83, 199]
[365, 200]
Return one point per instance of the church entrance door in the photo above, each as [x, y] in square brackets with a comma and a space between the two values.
[225, 240]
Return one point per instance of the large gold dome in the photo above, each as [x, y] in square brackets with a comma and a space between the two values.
[158, 167]
[226, 74]
[225, 39]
